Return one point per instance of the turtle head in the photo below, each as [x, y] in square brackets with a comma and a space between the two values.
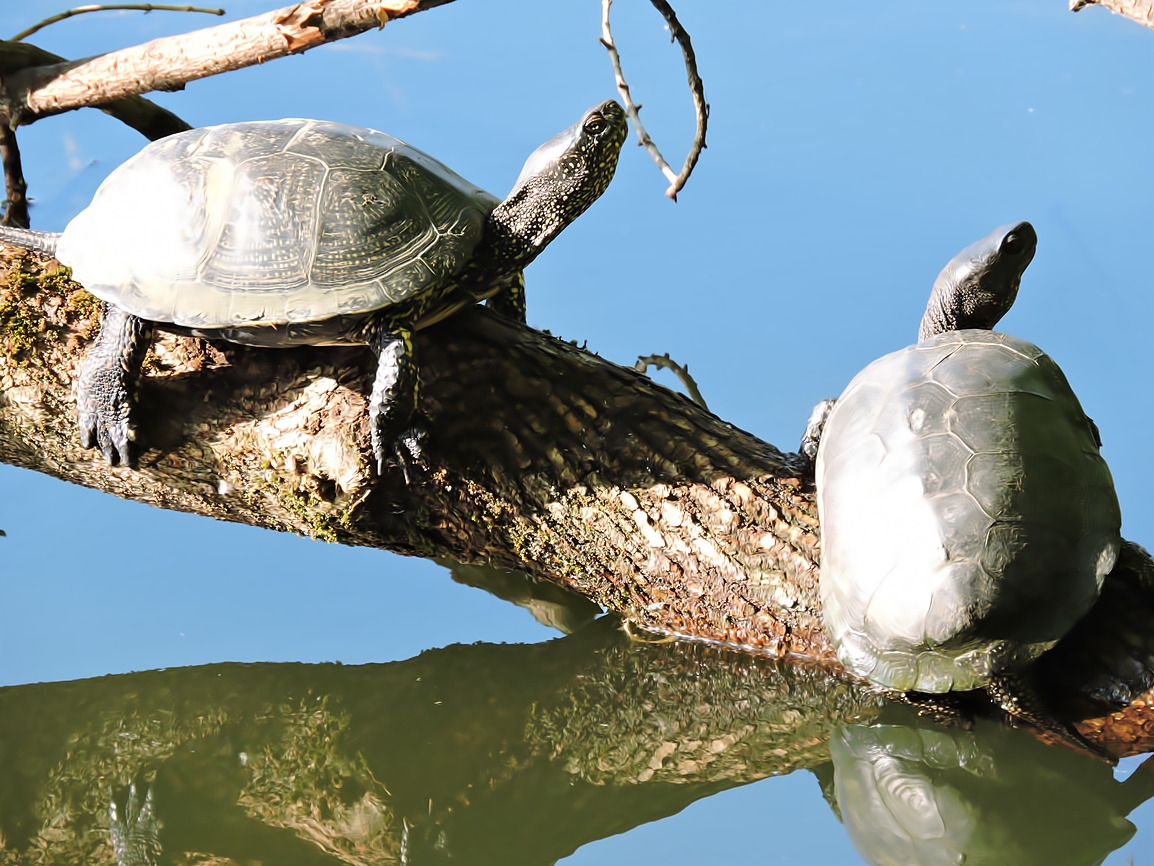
[560, 180]
[980, 283]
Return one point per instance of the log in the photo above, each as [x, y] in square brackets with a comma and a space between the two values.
[541, 457]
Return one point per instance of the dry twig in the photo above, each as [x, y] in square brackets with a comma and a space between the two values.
[701, 107]
[665, 362]
[112, 7]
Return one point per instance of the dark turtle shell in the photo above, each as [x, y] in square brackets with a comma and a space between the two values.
[269, 223]
[968, 519]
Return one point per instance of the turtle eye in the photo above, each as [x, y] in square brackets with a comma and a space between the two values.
[1012, 244]
[595, 124]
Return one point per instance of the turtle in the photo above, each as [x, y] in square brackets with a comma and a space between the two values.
[292, 232]
[967, 516]
[911, 791]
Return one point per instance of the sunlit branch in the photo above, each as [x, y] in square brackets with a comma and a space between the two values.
[146, 117]
[171, 62]
[1141, 11]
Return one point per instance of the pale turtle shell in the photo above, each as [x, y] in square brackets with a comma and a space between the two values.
[273, 223]
[967, 517]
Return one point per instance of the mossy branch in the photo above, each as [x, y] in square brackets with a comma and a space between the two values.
[542, 457]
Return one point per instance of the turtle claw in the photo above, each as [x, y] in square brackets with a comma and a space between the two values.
[406, 451]
[104, 394]
[103, 415]
[134, 830]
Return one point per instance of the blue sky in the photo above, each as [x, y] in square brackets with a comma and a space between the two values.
[853, 149]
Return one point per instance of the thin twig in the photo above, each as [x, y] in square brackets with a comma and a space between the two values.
[644, 362]
[701, 107]
[95, 7]
[15, 188]
[1141, 11]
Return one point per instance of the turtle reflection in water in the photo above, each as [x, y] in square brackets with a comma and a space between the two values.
[967, 517]
[301, 232]
[920, 793]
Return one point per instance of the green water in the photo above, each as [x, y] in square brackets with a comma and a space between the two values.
[515, 754]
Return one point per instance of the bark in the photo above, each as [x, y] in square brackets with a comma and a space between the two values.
[1141, 11]
[170, 63]
[541, 457]
[146, 117]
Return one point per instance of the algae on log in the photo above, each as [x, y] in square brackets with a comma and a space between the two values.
[541, 457]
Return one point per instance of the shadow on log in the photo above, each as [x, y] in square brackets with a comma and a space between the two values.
[542, 458]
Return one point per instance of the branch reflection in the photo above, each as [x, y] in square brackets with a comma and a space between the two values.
[479, 754]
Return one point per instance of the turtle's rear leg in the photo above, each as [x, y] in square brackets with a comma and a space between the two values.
[1018, 698]
[944, 708]
[107, 386]
[393, 403]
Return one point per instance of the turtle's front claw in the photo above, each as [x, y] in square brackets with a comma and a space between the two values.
[405, 451]
[104, 394]
[104, 414]
[135, 831]
[409, 449]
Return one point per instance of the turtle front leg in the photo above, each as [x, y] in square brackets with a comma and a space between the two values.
[393, 402]
[510, 299]
[107, 386]
[811, 439]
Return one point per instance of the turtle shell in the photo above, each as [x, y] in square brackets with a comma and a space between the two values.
[922, 793]
[269, 223]
[967, 517]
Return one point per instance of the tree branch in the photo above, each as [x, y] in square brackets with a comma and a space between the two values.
[170, 63]
[146, 117]
[542, 458]
[1141, 11]
[15, 188]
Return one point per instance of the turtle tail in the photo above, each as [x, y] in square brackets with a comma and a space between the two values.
[41, 242]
